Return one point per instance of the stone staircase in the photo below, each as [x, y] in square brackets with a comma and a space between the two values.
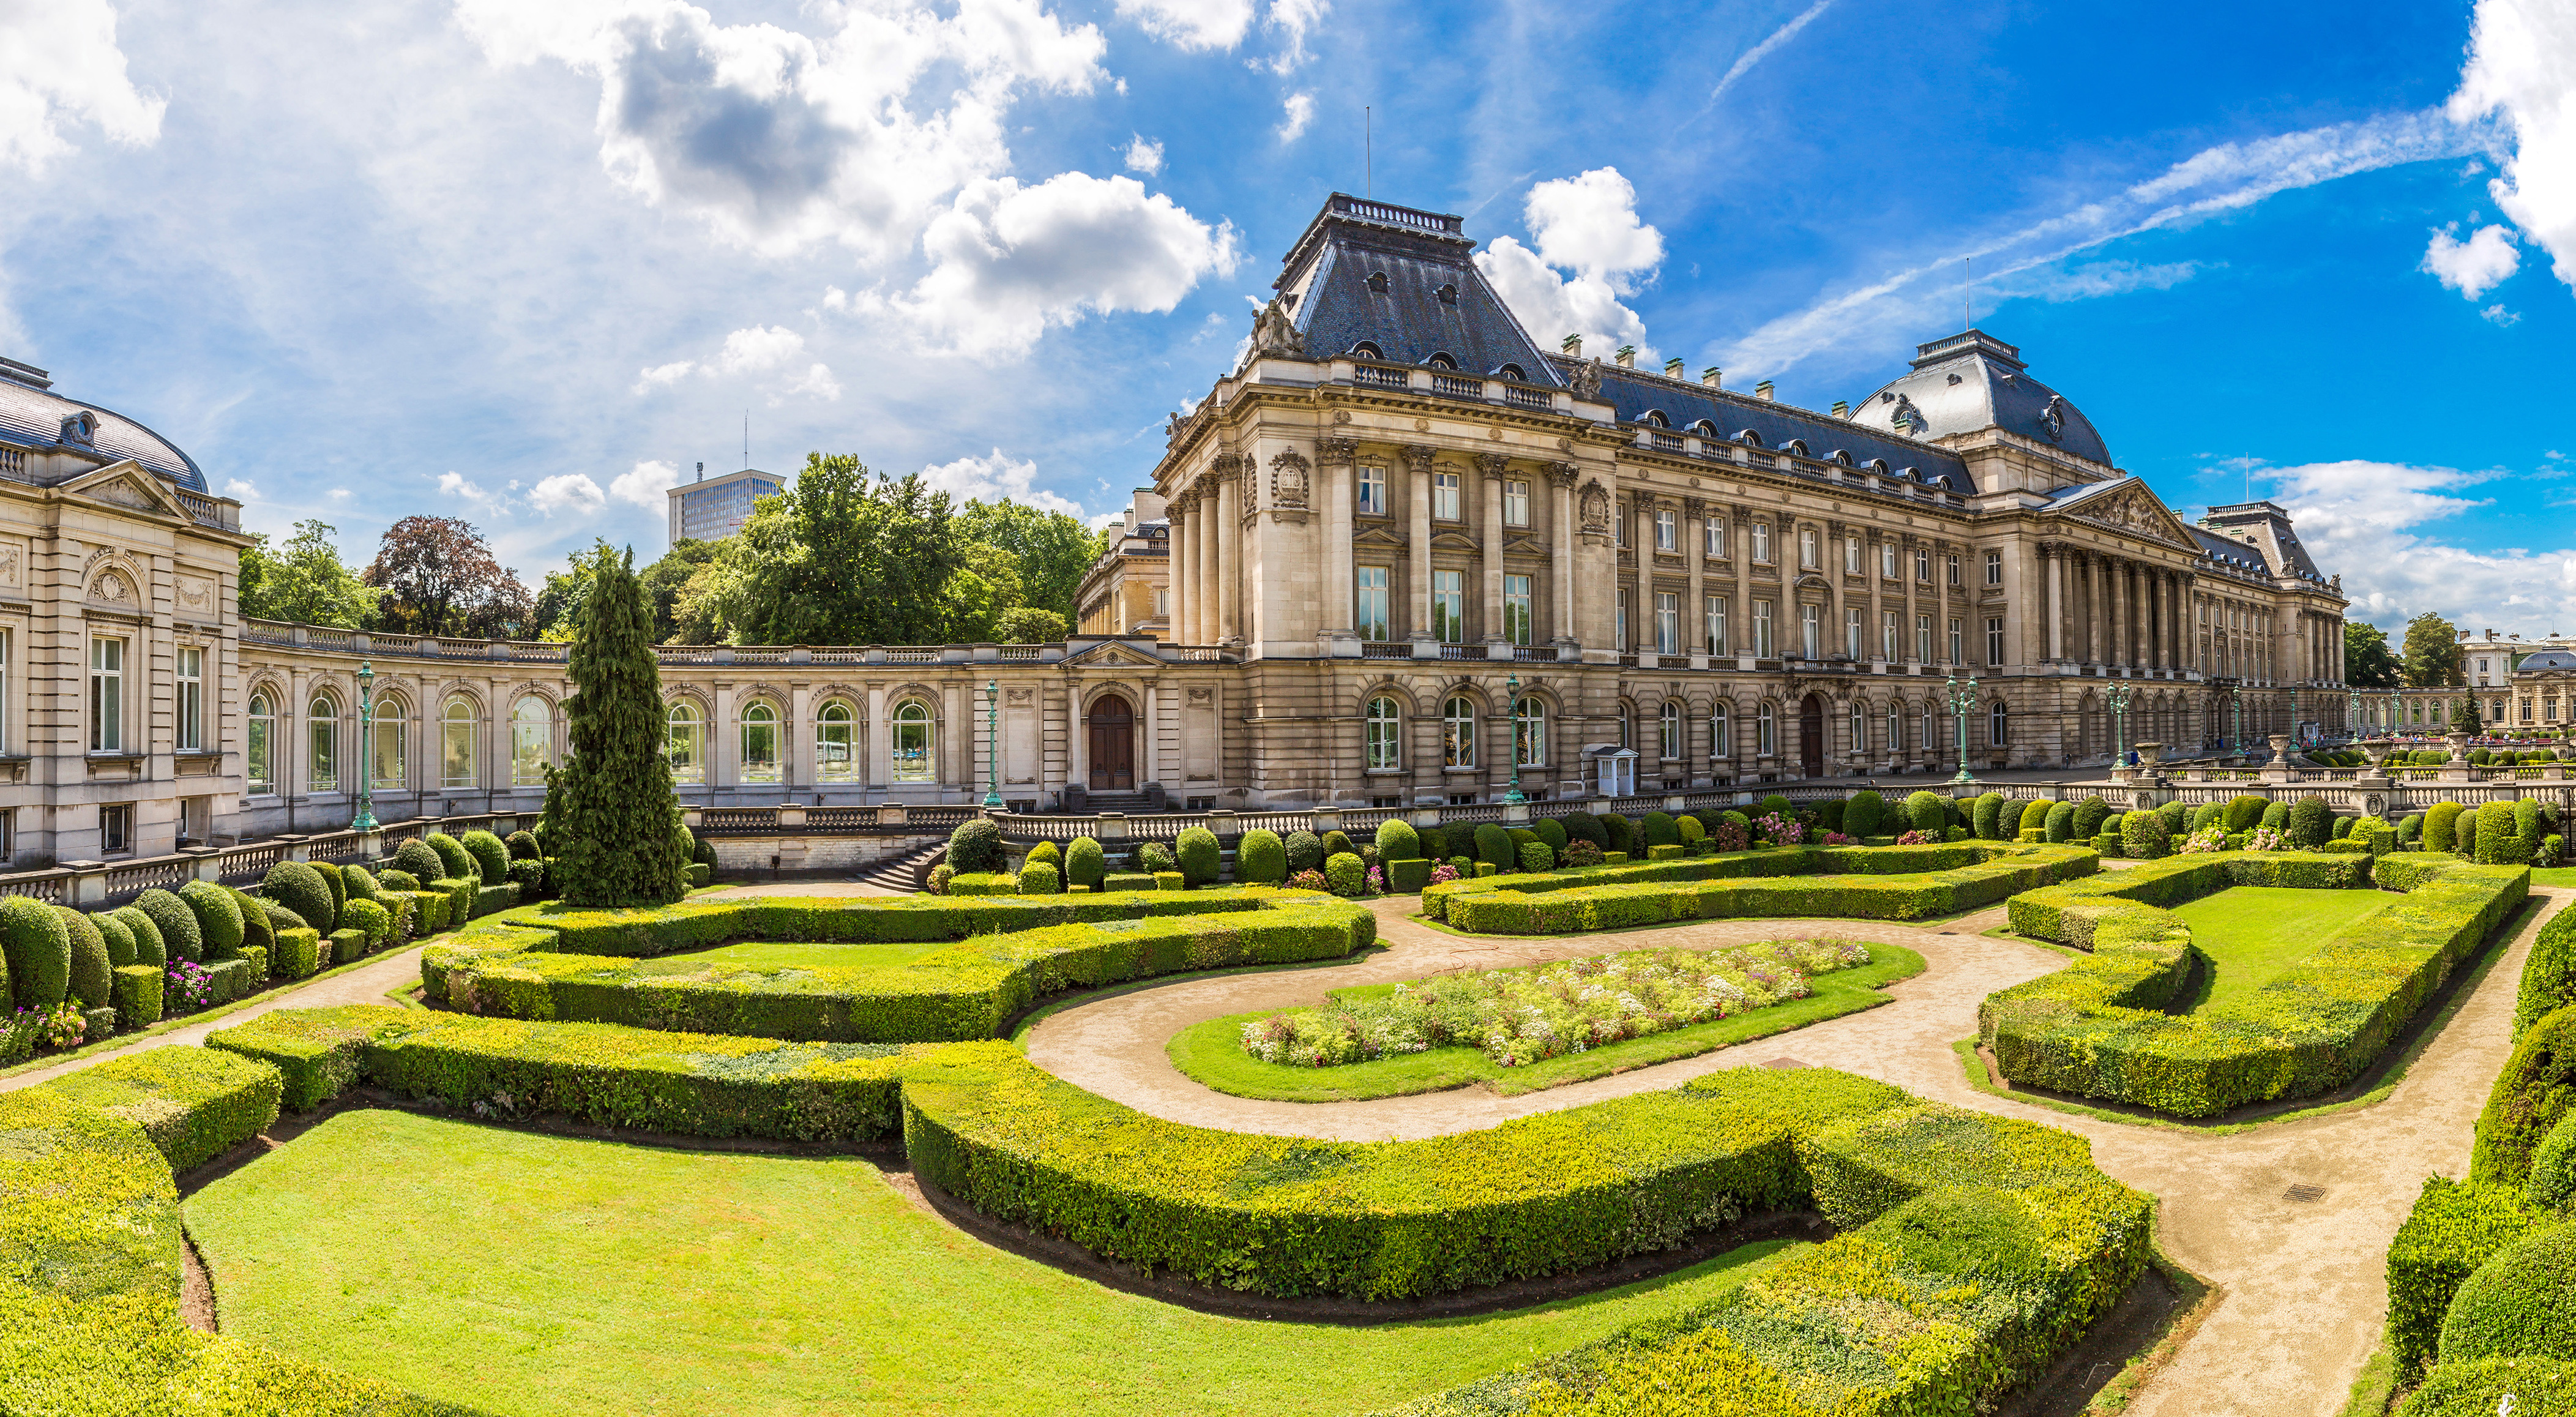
[909, 873]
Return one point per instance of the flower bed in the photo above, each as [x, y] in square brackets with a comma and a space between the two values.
[1847, 882]
[1522, 1016]
[2099, 1028]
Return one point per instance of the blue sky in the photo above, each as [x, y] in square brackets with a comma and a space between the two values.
[527, 262]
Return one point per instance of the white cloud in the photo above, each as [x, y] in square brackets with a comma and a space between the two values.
[1192, 24]
[2475, 266]
[60, 66]
[1144, 156]
[1293, 20]
[239, 489]
[2375, 524]
[2522, 65]
[644, 484]
[760, 349]
[339, 494]
[1588, 225]
[566, 492]
[1744, 63]
[994, 477]
[818, 381]
[1294, 115]
[1009, 260]
[2058, 285]
[2496, 314]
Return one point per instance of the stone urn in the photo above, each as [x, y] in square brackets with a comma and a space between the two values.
[2280, 750]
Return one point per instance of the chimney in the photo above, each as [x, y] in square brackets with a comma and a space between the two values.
[1627, 356]
[1711, 375]
[1842, 409]
[702, 472]
[1673, 368]
[1574, 346]
[1762, 391]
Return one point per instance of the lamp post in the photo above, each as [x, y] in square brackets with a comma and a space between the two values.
[1963, 697]
[1512, 691]
[2119, 694]
[2294, 713]
[365, 821]
[2236, 700]
[993, 744]
[2352, 715]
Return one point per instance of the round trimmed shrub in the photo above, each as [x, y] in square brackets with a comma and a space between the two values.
[1927, 812]
[2480, 757]
[2520, 1303]
[1396, 841]
[523, 846]
[1260, 859]
[1337, 843]
[1622, 833]
[1552, 831]
[1494, 847]
[2553, 1168]
[2205, 816]
[1985, 817]
[2245, 812]
[219, 921]
[702, 852]
[2060, 821]
[1775, 803]
[176, 922]
[976, 845]
[90, 976]
[2441, 826]
[330, 875]
[357, 883]
[2034, 817]
[2311, 823]
[1535, 857]
[2535, 1089]
[1583, 826]
[254, 918]
[1865, 815]
[413, 858]
[453, 859]
[367, 915]
[2343, 827]
[491, 858]
[940, 875]
[1829, 814]
[2277, 816]
[148, 946]
[1085, 864]
[119, 941]
[2410, 829]
[1435, 844]
[1039, 878]
[2143, 836]
[1659, 830]
[397, 881]
[2548, 974]
[2464, 833]
[281, 918]
[1344, 875]
[39, 951]
[1045, 853]
[1199, 856]
[2172, 813]
[2089, 816]
[299, 888]
[1305, 851]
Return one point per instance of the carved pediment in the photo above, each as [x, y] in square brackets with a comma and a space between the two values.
[2134, 511]
[127, 484]
[1110, 656]
[1452, 541]
[1376, 536]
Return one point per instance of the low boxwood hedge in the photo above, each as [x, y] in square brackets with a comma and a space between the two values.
[2453, 1229]
[2098, 1028]
[548, 962]
[194, 1103]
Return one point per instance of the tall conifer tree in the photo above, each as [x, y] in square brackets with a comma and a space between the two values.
[619, 821]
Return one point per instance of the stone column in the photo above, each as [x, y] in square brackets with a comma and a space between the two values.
[1184, 568]
[1490, 466]
[1417, 557]
[1229, 557]
[2089, 576]
[1337, 455]
[2050, 553]
[1560, 535]
[1203, 544]
[1695, 614]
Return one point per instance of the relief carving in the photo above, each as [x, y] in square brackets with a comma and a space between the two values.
[1288, 481]
[1492, 465]
[1337, 450]
[112, 589]
[1596, 510]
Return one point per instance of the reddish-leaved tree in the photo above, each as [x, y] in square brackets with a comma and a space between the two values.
[439, 578]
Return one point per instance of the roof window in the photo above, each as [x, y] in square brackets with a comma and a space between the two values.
[1448, 295]
[1377, 281]
[1443, 361]
[1655, 418]
[80, 429]
[1513, 371]
[1366, 350]
[1797, 446]
[1749, 438]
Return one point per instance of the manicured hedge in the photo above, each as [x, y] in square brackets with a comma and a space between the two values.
[2098, 1028]
[2520, 1303]
[565, 963]
[194, 1103]
[2454, 1228]
[87, 1208]
[38, 948]
[2536, 1088]
[299, 953]
[137, 992]
[2548, 973]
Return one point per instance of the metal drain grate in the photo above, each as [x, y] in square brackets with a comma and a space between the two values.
[2304, 1193]
[1787, 1063]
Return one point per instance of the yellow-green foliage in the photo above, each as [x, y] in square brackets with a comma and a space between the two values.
[2453, 1229]
[87, 1208]
[194, 1103]
[317, 1053]
[2099, 1028]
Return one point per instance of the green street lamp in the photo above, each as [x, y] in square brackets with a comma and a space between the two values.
[2352, 715]
[1512, 688]
[2236, 699]
[2120, 692]
[993, 744]
[365, 821]
[2294, 713]
[1962, 693]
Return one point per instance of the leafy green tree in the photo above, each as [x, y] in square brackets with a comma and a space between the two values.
[838, 558]
[2464, 719]
[617, 840]
[2432, 652]
[1051, 550]
[666, 581]
[1028, 625]
[2368, 663]
[304, 580]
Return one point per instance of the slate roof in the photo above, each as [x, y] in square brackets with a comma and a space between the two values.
[2547, 659]
[1971, 381]
[33, 417]
[1339, 307]
[2231, 550]
[1634, 393]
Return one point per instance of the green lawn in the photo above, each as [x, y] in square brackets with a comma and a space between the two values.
[2564, 876]
[521, 1273]
[791, 954]
[2252, 933]
[1212, 1055]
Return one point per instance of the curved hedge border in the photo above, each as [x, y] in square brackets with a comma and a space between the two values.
[2098, 1028]
[1844, 882]
[546, 962]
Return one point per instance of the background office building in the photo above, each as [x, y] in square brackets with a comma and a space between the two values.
[712, 508]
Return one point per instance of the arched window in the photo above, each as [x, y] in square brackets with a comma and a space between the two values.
[1859, 727]
[259, 755]
[1458, 733]
[1385, 735]
[759, 743]
[532, 741]
[456, 743]
[836, 743]
[1721, 735]
[387, 735]
[1366, 350]
[1442, 361]
[1766, 732]
[1998, 725]
[1655, 419]
[1529, 733]
[1513, 371]
[324, 775]
[912, 742]
[688, 745]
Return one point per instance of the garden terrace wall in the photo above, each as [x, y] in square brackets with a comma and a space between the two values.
[2098, 1028]
[539, 963]
[1850, 882]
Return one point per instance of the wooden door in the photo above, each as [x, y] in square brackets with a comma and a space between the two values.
[1112, 744]
[1811, 736]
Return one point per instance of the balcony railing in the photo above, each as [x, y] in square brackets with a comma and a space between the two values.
[1372, 376]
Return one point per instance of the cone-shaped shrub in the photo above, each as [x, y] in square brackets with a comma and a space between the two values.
[621, 842]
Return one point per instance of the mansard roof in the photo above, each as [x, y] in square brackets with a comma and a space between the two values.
[1972, 381]
[33, 416]
[1635, 394]
[1400, 280]
[2232, 551]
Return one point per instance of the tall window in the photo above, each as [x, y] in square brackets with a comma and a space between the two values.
[688, 746]
[1859, 728]
[1928, 742]
[532, 741]
[1668, 742]
[1515, 502]
[836, 743]
[385, 753]
[1888, 635]
[1372, 492]
[1994, 568]
[1923, 639]
[1994, 639]
[1369, 608]
[191, 705]
[1721, 742]
[322, 717]
[1458, 733]
[1516, 609]
[1809, 555]
[1713, 538]
[1958, 649]
[1668, 530]
[456, 743]
[1619, 524]
[1954, 570]
[259, 750]
[1762, 629]
[1529, 733]
[1668, 623]
[1851, 632]
[1766, 732]
[1385, 735]
[759, 743]
[106, 695]
[1998, 725]
[1449, 606]
[1895, 728]
[1887, 560]
[1922, 564]
[1851, 555]
[911, 742]
[1444, 496]
[1811, 639]
[1762, 542]
[1713, 623]
[1619, 609]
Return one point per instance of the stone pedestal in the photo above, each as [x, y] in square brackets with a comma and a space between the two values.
[2457, 769]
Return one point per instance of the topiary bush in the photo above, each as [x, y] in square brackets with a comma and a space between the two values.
[2245, 812]
[1396, 841]
[299, 888]
[1583, 826]
[1494, 847]
[1829, 815]
[1039, 877]
[2521, 1303]
[393, 880]
[39, 951]
[1536, 857]
[2552, 1185]
[2441, 826]
[940, 876]
[1261, 859]
[1199, 856]
[1344, 875]
[90, 977]
[1621, 834]
[218, 918]
[2464, 833]
[1552, 831]
[2143, 836]
[370, 919]
[523, 846]
[2060, 822]
[1045, 853]
[1155, 858]
[1305, 851]
[1659, 830]
[1927, 812]
[2548, 973]
[357, 883]
[2277, 816]
[454, 861]
[331, 881]
[976, 845]
[118, 940]
[1866, 814]
[2534, 1090]
[148, 948]
[1085, 864]
[176, 922]
[415, 859]
[2410, 829]
[2311, 823]
[2343, 827]
[491, 858]
[1985, 818]
[2497, 843]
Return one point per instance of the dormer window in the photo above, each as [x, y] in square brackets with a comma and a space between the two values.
[1366, 350]
[1655, 419]
[1442, 361]
[1797, 446]
[1838, 455]
[1749, 438]
[80, 429]
[1377, 282]
[1448, 295]
[1513, 371]
[1704, 428]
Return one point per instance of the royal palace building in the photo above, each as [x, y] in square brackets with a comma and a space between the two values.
[1402, 555]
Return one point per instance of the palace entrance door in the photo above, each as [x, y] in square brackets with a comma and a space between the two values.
[1811, 736]
[1112, 744]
